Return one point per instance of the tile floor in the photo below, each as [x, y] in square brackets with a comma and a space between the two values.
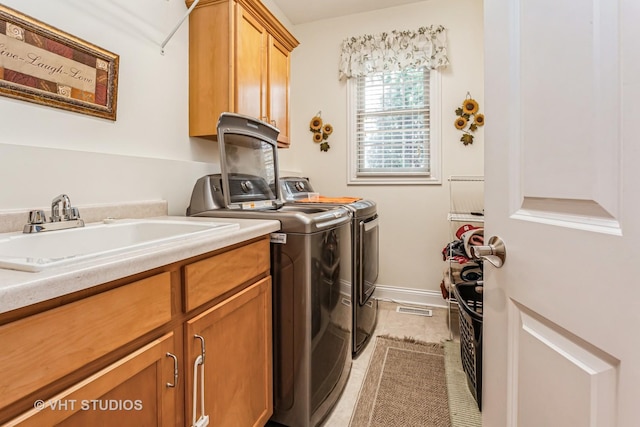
[429, 329]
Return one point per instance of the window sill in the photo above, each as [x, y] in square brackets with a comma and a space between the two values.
[377, 180]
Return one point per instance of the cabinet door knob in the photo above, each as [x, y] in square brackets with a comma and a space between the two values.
[175, 370]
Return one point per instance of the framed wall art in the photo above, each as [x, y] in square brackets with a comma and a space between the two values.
[41, 64]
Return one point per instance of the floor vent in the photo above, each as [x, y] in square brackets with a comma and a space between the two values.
[417, 311]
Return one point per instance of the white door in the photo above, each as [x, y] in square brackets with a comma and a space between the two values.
[562, 189]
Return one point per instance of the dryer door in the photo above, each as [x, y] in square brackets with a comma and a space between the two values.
[368, 248]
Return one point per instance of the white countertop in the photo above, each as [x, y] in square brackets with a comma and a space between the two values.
[20, 289]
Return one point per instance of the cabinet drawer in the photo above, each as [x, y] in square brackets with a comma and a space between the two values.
[42, 348]
[212, 277]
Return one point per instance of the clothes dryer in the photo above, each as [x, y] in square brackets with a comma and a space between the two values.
[364, 250]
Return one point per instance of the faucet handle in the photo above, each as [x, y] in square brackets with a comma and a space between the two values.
[73, 213]
[37, 217]
[55, 214]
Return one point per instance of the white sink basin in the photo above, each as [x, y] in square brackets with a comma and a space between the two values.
[38, 251]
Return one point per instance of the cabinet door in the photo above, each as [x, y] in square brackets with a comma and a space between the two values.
[130, 392]
[278, 86]
[250, 66]
[237, 362]
[210, 78]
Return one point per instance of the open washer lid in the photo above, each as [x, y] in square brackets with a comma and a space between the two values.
[249, 162]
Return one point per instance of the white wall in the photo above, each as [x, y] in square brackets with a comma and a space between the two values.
[413, 221]
[146, 153]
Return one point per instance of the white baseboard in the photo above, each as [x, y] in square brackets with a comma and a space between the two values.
[410, 296]
[402, 295]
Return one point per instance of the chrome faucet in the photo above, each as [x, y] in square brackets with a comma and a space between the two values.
[70, 217]
[66, 207]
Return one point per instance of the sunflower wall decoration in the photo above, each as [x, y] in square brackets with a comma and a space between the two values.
[469, 119]
[321, 131]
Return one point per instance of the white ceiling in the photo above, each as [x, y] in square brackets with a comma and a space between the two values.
[302, 11]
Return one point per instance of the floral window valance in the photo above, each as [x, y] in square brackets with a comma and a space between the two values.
[394, 51]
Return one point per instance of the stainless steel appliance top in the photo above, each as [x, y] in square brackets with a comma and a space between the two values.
[294, 189]
[207, 200]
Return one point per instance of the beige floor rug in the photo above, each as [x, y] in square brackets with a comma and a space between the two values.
[464, 409]
[404, 386]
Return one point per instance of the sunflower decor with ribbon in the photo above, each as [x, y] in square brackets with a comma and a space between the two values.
[469, 119]
[321, 131]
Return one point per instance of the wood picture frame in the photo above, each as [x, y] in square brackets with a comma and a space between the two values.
[42, 64]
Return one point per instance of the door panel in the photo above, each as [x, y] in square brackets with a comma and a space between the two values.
[238, 380]
[279, 88]
[547, 354]
[251, 66]
[561, 175]
[574, 50]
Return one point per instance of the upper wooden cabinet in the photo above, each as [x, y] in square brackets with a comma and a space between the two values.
[238, 62]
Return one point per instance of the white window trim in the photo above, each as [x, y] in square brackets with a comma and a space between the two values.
[435, 142]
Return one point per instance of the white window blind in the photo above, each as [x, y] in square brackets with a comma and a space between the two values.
[393, 123]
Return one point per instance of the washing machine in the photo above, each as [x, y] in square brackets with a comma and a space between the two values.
[311, 317]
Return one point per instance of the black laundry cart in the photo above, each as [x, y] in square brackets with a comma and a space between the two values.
[469, 297]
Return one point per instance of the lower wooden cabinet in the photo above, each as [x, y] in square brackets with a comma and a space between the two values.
[134, 391]
[126, 356]
[234, 339]
[66, 338]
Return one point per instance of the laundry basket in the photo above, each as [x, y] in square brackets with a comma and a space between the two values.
[470, 303]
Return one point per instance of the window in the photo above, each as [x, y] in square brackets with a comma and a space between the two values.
[393, 128]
